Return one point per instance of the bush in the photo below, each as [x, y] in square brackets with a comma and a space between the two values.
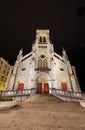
[6, 99]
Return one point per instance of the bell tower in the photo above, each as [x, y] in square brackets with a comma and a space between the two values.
[42, 49]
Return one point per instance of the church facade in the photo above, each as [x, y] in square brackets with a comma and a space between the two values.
[43, 69]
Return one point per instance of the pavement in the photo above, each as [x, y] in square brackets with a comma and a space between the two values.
[43, 112]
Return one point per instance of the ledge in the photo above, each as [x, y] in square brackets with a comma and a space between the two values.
[7, 104]
[82, 103]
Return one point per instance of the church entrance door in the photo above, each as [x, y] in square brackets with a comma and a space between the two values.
[42, 83]
[42, 88]
[46, 88]
[39, 88]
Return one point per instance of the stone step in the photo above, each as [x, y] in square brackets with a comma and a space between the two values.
[43, 98]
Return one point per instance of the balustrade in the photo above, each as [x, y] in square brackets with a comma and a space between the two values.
[68, 95]
[64, 95]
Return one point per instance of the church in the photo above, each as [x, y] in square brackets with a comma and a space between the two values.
[43, 68]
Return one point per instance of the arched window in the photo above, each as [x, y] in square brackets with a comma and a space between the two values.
[42, 62]
[39, 63]
[45, 63]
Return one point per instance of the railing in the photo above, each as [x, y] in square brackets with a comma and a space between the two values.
[18, 95]
[63, 95]
[68, 95]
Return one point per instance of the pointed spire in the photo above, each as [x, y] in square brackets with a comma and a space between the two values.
[64, 54]
[19, 56]
[63, 51]
[21, 51]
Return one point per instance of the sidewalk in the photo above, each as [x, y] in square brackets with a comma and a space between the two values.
[43, 113]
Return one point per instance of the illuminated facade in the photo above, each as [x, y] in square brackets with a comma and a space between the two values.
[43, 69]
[4, 72]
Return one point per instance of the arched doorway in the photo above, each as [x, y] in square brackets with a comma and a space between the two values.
[21, 83]
[43, 83]
[64, 83]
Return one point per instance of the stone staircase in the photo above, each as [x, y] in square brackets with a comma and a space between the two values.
[43, 98]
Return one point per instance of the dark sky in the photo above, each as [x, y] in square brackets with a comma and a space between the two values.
[64, 18]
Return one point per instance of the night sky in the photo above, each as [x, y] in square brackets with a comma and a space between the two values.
[64, 18]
